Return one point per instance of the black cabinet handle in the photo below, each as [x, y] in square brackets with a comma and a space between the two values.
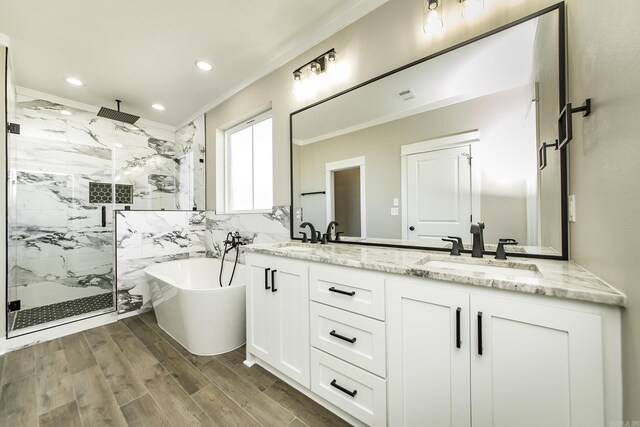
[266, 279]
[342, 337]
[273, 280]
[458, 341]
[338, 291]
[104, 216]
[480, 333]
[344, 390]
[412, 228]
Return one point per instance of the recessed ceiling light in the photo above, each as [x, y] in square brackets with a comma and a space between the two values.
[158, 107]
[74, 81]
[204, 65]
[65, 112]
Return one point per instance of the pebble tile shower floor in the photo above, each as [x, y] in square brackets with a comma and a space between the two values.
[131, 373]
[52, 312]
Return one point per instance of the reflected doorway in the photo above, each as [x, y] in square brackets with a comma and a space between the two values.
[346, 195]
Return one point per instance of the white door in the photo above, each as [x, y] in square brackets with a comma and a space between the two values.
[540, 366]
[428, 353]
[439, 195]
[260, 309]
[290, 286]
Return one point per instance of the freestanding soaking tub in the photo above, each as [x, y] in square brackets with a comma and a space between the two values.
[191, 306]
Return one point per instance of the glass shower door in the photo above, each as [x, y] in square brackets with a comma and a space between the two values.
[60, 216]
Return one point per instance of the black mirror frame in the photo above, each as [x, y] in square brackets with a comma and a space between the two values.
[560, 7]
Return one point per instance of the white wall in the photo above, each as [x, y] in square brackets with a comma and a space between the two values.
[603, 63]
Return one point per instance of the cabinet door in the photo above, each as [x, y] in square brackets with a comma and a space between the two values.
[540, 365]
[428, 371]
[291, 290]
[260, 310]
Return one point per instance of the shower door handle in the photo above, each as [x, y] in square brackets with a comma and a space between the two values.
[104, 216]
[266, 279]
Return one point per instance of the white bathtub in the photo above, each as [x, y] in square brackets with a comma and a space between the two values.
[191, 306]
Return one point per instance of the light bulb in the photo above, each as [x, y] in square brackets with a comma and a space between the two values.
[433, 24]
[472, 8]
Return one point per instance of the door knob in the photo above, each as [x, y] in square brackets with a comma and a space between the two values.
[412, 228]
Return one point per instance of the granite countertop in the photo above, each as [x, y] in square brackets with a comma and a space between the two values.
[562, 279]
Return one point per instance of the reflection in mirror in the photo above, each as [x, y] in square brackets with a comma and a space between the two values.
[423, 153]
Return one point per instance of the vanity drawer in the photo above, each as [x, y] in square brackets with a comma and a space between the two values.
[357, 339]
[351, 289]
[361, 394]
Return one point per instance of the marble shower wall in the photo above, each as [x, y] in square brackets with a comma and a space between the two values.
[58, 249]
[144, 238]
[190, 141]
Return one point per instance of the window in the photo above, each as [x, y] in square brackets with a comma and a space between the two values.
[249, 165]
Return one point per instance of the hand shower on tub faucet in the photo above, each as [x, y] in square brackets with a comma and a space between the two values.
[233, 241]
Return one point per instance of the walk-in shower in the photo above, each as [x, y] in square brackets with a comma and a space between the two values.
[68, 171]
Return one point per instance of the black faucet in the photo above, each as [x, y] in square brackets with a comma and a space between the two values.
[331, 225]
[232, 241]
[312, 231]
[478, 239]
[500, 252]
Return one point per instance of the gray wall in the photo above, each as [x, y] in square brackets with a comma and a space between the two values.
[544, 66]
[604, 173]
[604, 64]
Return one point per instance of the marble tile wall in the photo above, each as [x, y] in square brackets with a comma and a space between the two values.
[190, 142]
[58, 249]
[144, 238]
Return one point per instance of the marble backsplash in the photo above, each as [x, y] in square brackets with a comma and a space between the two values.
[144, 238]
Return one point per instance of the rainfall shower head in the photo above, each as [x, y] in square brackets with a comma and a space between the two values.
[117, 115]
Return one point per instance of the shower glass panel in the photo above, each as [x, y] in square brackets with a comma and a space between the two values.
[60, 234]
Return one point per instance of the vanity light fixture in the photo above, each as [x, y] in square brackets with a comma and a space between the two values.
[471, 8]
[73, 81]
[432, 22]
[317, 65]
[204, 65]
[158, 107]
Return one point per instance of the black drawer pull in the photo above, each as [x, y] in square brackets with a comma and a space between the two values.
[480, 333]
[338, 291]
[344, 390]
[458, 341]
[104, 216]
[273, 280]
[266, 279]
[342, 337]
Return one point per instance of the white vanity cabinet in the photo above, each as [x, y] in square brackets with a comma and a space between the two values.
[519, 361]
[278, 314]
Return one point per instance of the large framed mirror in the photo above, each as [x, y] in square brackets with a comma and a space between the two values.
[422, 152]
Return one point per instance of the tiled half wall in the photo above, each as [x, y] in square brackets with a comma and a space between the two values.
[144, 238]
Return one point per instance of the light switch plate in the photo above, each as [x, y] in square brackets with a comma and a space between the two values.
[572, 208]
[396, 201]
[395, 211]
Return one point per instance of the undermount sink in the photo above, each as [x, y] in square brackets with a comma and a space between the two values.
[296, 248]
[483, 268]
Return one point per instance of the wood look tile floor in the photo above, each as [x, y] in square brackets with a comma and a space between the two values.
[131, 373]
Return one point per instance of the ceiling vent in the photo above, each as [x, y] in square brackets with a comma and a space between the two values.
[406, 94]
